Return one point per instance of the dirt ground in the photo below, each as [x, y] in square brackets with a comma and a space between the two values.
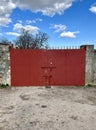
[40, 108]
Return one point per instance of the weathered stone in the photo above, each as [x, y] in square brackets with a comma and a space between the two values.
[4, 64]
[90, 65]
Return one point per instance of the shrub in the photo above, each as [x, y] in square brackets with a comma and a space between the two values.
[3, 85]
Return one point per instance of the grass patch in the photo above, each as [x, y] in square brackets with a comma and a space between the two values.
[4, 85]
[89, 85]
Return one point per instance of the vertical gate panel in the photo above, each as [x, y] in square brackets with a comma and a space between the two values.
[20, 67]
[70, 67]
[26, 67]
[36, 62]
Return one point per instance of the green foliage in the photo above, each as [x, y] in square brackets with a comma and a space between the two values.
[4, 85]
[89, 85]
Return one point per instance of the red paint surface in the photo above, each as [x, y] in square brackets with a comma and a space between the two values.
[47, 67]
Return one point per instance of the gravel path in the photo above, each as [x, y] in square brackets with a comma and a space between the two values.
[56, 108]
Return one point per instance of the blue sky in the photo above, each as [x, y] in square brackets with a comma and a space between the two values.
[67, 22]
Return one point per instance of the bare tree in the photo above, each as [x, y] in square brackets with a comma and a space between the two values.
[29, 41]
[5, 41]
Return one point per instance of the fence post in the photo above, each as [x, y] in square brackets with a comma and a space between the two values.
[89, 63]
[4, 64]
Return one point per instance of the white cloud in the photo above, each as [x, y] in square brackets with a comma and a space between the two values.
[13, 33]
[68, 34]
[6, 8]
[58, 27]
[62, 28]
[18, 27]
[39, 20]
[93, 9]
[47, 7]
[4, 21]
[33, 21]
[28, 21]
[20, 21]
[57, 8]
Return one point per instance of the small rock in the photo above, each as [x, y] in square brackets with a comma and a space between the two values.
[24, 97]
[74, 117]
[43, 106]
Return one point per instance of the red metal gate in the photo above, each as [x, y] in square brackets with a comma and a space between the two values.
[47, 67]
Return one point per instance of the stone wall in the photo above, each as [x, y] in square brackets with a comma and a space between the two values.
[90, 65]
[4, 64]
[94, 66]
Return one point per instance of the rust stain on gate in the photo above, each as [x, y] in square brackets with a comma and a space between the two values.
[64, 67]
